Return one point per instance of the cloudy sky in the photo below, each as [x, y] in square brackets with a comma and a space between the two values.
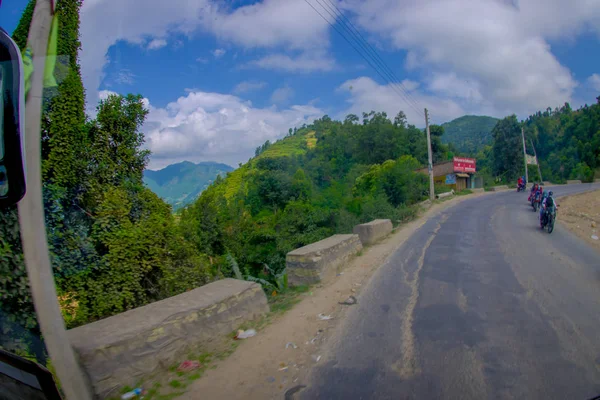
[221, 77]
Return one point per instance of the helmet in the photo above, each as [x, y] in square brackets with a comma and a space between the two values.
[545, 194]
[551, 193]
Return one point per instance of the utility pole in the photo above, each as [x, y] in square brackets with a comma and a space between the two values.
[524, 155]
[429, 158]
[537, 162]
[32, 224]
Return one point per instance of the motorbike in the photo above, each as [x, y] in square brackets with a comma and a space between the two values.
[535, 201]
[521, 187]
[548, 219]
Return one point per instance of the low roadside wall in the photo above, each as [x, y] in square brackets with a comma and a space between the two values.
[574, 181]
[499, 188]
[373, 231]
[446, 194]
[120, 350]
[478, 190]
[319, 261]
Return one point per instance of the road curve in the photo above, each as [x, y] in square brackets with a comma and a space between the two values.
[478, 303]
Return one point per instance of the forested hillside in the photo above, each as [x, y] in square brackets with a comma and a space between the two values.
[567, 144]
[180, 184]
[470, 133]
[320, 180]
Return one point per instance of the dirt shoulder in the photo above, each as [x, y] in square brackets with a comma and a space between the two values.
[580, 213]
[262, 367]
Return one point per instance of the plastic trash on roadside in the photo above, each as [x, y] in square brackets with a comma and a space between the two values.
[291, 344]
[130, 395]
[324, 317]
[188, 365]
[245, 334]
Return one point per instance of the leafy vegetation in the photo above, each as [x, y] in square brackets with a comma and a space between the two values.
[114, 244]
[470, 133]
[180, 184]
[319, 180]
[567, 143]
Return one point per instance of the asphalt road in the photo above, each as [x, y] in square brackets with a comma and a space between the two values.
[478, 303]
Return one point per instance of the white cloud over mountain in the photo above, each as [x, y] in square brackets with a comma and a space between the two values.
[200, 125]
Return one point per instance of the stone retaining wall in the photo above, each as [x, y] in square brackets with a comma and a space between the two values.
[499, 188]
[574, 181]
[373, 231]
[319, 261]
[123, 349]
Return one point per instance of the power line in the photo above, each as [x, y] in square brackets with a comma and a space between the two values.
[388, 77]
[362, 55]
[373, 52]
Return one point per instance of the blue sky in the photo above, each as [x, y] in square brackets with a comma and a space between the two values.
[221, 77]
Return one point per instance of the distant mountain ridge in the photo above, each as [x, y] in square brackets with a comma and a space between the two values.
[180, 184]
[469, 133]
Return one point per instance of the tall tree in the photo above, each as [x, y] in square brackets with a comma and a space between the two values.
[507, 149]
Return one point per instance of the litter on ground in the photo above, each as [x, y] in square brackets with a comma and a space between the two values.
[245, 334]
[324, 317]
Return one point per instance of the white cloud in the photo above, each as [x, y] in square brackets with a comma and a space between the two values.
[125, 77]
[365, 95]
[282, 94]
[272, 23]
[156, 44]
[103, 94]
[499, 48]
[410, 85]
[594, 81]
[213, 126]
[303, 63]
[202, 60]
[248, 86]
[449, 85]
[269, 24]
[218, 53]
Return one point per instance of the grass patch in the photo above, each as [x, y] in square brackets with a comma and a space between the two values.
[286, 300]
[174, 383]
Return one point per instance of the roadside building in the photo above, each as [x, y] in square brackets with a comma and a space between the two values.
[456, 173]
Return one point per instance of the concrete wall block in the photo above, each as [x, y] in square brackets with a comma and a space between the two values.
[318, 261]
[120, 350]
[373, 231]
[574, 181]
[499, 188]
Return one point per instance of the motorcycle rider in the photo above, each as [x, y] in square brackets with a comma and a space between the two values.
[548, 207]
[542, 202]
[520, 182]
[533, 190]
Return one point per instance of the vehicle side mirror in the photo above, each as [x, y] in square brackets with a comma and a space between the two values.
[12, 110]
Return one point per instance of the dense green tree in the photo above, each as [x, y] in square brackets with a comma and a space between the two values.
[507, 148]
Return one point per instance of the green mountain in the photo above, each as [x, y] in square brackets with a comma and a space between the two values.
[180, 184]
[469, 133]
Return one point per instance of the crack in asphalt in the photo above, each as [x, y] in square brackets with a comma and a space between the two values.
[408, 365]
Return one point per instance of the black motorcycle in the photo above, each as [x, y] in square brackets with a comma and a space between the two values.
[548, 219]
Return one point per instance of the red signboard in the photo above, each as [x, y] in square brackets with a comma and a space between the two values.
[462, 164]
